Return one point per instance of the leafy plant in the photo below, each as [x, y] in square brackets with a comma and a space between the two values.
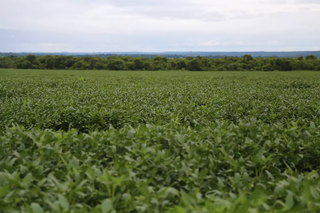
[173, 142]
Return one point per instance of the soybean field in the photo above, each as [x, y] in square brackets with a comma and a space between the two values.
[158, 141]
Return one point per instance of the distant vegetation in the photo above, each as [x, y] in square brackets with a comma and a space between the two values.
[247, 62]
[294, 54]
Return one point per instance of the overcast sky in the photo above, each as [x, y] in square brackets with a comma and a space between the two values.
[159, 25]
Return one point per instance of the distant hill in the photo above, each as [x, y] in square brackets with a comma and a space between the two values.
[172, 54]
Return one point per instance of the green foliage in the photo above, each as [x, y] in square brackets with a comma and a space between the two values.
[116, 64]
[97, 99]
[175, 142]
[218, 168]
[311, 57]
[247, 62]
[247, 58]
[194, 65]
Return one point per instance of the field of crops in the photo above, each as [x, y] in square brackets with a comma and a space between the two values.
[176, 142]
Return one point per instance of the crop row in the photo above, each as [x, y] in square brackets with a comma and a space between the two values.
[96, 102]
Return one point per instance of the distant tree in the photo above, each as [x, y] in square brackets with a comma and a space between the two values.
[181, 64]
[81, 65]
[194, 65]
[267, 67]
[147, 65]
[307, 66]
[171, 64]
[221, 68]
[205, 62]
[130, 65]
[138, 63]
[234, 66]
[160, 63]
[311, 57]
[284, 64]
[247, 62]
[24, 64]
[112, 57]
[160, 59]
[59, 62]
[48, 62]
[297, 64]
[247, 58]
[70, 61]
[116, 64]
[98, 66]
[31, 58]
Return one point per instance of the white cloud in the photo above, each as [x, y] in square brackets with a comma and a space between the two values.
[210, 43]
[83, 25]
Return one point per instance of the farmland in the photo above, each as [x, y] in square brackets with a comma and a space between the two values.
[143, 141]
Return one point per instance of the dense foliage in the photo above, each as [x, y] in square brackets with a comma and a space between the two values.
[178, 142]
[247, 62]
[171, 54]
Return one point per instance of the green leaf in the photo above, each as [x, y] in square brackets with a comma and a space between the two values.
[312, 125]
[130, 133]
[27, 179]
[187, 199]
[36, 162]
[185, 168]
[63, 202]
[180, 138]
[258, 196]
[4, 190]
[36, 208]
[106, 206]
[289, 201]
[259, 155]
[178, 209]
[74, 163]
[314, 192]
[142, 129]
[172, 190]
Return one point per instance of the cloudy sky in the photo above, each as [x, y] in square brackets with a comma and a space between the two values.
[159, 25]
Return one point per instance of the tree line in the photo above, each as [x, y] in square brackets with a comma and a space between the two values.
[247, 62]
